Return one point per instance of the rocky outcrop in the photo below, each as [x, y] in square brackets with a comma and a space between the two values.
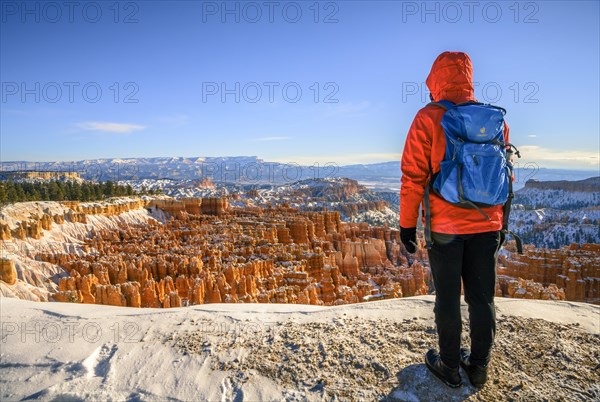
[575, 270]
[520, 288]
[170, 206]
[211, 253]
[8, 273]
[32, 218]
[214, 205]
[178, 207]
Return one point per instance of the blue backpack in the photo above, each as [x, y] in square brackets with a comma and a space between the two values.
[476, 171]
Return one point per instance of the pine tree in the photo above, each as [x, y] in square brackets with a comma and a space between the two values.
[85, 192]
[3, 194]
[109, 188]
[56, 192]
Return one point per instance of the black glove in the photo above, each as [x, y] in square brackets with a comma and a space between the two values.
[408, 236]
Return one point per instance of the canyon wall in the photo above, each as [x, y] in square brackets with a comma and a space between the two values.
[207, 252]
[574, 269]
[204, 250]
[30, 219]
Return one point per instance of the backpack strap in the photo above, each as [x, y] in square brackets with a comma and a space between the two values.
[428, 241]
[444, 104]
[506, 212]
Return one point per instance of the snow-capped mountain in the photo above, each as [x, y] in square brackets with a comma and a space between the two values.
[384, 176]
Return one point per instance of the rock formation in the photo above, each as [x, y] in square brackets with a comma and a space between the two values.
[209, 252]
[214, 206]
[575, 270]
[35, 223]
[8, 273]
[527, 289]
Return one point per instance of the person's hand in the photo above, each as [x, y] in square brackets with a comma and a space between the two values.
[408, 236]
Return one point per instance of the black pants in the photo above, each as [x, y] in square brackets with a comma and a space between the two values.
[471, 257]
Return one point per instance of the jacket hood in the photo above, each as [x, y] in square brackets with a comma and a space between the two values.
[451, 77]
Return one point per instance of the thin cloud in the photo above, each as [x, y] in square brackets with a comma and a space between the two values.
[532, 136]
[109, 127]
[546, 157]
[272, 139]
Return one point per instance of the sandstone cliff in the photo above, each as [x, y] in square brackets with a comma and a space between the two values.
[207, 252]
[575, 270]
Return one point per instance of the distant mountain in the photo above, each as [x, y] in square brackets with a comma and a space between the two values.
[384, 176]
[586, 186]
[233, 168]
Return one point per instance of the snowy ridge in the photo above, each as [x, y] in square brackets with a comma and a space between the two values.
[557, 213]
[67, 237]
[557, 199]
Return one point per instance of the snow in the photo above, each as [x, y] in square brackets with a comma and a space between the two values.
[557, 199]
[540, 214]
[405, 396]
[60, 351]
[14, 213]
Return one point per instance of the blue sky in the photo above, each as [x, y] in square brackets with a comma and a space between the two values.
[287, 81]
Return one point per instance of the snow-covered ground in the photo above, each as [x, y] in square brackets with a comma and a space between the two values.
[255, 352]
[387, 217]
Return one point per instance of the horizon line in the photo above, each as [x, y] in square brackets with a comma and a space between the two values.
[263, 160]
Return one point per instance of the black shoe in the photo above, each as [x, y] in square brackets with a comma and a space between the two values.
[477, 373]
[449, 376]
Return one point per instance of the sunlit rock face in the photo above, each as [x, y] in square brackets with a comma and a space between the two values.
[164, 252]
[208, 252]
[574, 270]
[8, 273]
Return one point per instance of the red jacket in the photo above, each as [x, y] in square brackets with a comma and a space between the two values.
[450, 79]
